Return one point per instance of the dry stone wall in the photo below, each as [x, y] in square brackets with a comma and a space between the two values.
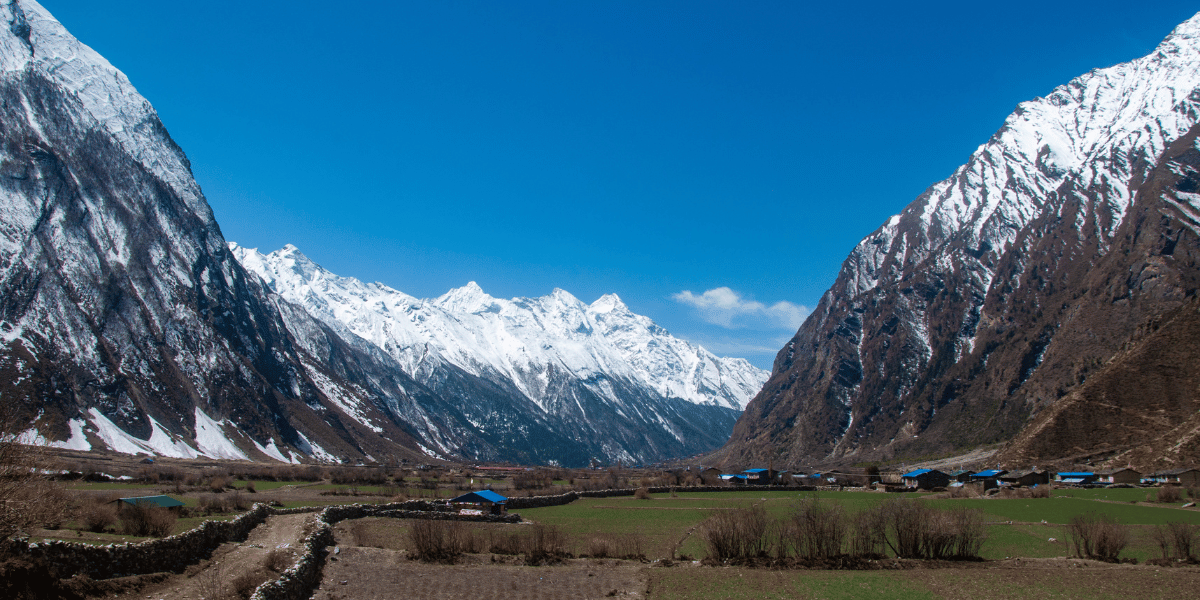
[172, 553]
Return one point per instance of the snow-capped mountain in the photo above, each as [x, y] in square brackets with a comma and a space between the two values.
[546, 350]
[126, 323]
[999, 289]
[514, 340]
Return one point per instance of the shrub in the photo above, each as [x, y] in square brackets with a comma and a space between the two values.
[1097, 536]
[250, 487]
[144, 519]
[98, 515]
[431, 541]
[1039, 491]
[818, 528]
[736, 534]
[616, 545]
[218, 484]
[913, 529]
[277, 560]
[545, 544]
[642, 494]
[1169, 494]
[211, 503]
[244, 585]
[868, 534]
[1176, 540]
[441, 541]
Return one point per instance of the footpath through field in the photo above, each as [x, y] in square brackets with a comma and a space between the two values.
[214, 578]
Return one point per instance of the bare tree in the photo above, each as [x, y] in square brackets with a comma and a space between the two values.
[29, 497]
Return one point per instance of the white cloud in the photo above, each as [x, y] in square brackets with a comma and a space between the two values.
[727, 308]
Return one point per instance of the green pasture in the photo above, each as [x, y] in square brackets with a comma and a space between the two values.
[1016, 527]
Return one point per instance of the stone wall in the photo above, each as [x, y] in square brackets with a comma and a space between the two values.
[172, 553]
[569, 497]
[303, 578]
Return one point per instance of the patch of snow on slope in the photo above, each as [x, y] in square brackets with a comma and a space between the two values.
[310, 448]
[160, 443]
[272, 451]
[211, 440]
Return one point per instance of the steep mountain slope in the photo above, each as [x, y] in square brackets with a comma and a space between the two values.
[592, 373]
[126, 323]
[1143, 405]
[987, 298]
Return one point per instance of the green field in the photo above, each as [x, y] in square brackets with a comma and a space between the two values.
[1029, 528]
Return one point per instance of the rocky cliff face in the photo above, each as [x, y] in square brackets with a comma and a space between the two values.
[1002, 288]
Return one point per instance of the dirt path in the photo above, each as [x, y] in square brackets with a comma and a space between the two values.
[214, 579]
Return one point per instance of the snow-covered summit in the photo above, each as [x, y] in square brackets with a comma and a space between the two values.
[1095, 130]
[514, 340]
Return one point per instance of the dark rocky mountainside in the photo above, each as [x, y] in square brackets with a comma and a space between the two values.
[1002, 289]
[1142, 406]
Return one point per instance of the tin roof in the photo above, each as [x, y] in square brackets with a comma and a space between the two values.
[163, 501]
[991, 473]
[918, 473]
[481, 496]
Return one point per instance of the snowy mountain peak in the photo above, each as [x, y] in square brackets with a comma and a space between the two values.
[514, 340]
[37, 42]
[468, 298]
[609, 303]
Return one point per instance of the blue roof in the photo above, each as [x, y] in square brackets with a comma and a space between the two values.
[163, 501]
[917, 473]
[990, 473]
[481, 496]
[1076, 474]
[755, 471]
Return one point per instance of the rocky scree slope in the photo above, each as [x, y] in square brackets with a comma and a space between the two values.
[999, 290]
[601, 378]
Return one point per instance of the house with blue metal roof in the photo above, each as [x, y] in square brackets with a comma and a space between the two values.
[925, 479]
[484, 501]
[1076, 477]
[758, 476]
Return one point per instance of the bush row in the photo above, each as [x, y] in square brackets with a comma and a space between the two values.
[819, 530]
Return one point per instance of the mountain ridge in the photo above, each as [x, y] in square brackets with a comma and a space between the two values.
[951, 324]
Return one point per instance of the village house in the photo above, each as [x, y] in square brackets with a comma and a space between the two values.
[166, 502]
[1125, 475]
[481, 502]
[1186, 477]
[710, 476]
[961, 476]
[1026, 478]
[926, 479]
[1076, 477]
[758, 476]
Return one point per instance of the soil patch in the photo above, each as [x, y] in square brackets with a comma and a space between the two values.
[374, 573]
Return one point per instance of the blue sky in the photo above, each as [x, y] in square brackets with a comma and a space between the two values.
[710, 162]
